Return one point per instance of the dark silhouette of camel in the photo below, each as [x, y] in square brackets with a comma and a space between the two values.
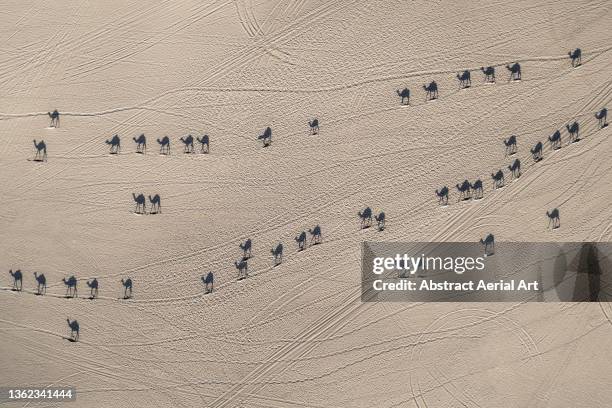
[315, 235]
[515, 71]
[536, 152]
[515, 168]
[576, 57]
[574, 131]
[246, 248]
[431, 91]
[489, 73]
[188, 142]
[93, 285]
[465, 79]
[42, 283]
[266, 137]
[127, 285]
[278, 254]
[115, 144]
[55, 118]
[74, 329]
[553, 216]
[71, 286]
[477, 189]
[404, 94]
[243, 268]
[301, 240]
[555, 140]
[141, 144]
[155, 204]
[498, 179]
[140, 203]
[17, 279]
[510, 144]
[464, 190]
[314, 126]
[380, 220]
[602, 116]
[209, 281]
[204, 144]
[366, 217]
[489, 244]
[443, 195]
[164, 145]
[41, 147]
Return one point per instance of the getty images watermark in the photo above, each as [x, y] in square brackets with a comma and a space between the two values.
[463, 272]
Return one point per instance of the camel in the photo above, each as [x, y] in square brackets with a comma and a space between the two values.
[573, 130]
[489, 243]
[366, 217]
[115, 144]
[71, 286]
[515, 168]
[127, 285]
[601, 116]
[498, 179]
[278, 254]
[404, 94]
[553, 216]
[380, 220]
[576, 57]
[246, 248]
[555, 140]
[489, 73]
[42, 283]
[55, 119]
[164, 145]
[443, 195]
[243, 268]
[266, 137]
[301, 240]
[465, 79]
[315, 235]
[140, 203]
[536, 152]
[17, 277]
[204, 142]
[141, 144]
[208, 281]
[477, 189]
[74, 329]
[314, 126]
[431, 90]
[510, 144]
[155, 204]
[40, 147]
[464, 190]
[188, 142]
[93, 285]
[515, 71]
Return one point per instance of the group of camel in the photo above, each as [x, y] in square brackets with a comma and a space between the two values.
[141, 204]
[164, 144]
[71, 285]
[474, 190]
[465, 78]
[465, 81]
[366, 218]
[246, 247]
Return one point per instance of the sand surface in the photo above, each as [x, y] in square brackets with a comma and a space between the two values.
[295, 335]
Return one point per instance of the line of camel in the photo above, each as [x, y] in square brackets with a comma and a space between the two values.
[465, 78]
[467, 190]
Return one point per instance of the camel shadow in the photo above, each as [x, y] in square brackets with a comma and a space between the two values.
[588, 279]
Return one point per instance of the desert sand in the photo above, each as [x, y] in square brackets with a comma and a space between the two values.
[294, 335]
